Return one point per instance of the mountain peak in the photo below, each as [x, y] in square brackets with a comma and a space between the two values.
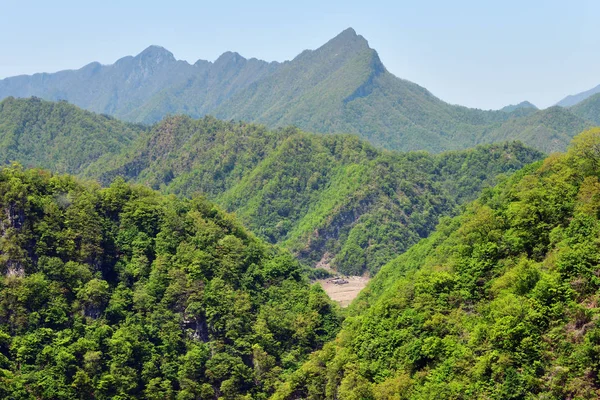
[349, 35]
[229, 57]
[347, 40]
[521, 105]
[156, 53]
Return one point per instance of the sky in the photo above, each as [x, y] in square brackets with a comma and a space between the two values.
[483, 54]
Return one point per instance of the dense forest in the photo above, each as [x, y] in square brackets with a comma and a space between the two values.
[59, 136]
[125, 293]
[333, 199]
[499, 302]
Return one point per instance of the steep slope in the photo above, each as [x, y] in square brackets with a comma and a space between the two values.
[344, 87]
[548, 130]
[59, 136]
[500, 302]
[124, 293]
[588, 109]
[574, 99]
[333, 199]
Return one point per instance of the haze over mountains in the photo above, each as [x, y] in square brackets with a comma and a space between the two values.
[342, 87]
[574, 99]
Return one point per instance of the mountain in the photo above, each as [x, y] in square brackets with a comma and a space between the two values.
[522, 105]
[133, 87]
[574, 99]
[341, 87]
[588, 109]
[549, 130]
[332, 199]
[124, 293]
[499, 302]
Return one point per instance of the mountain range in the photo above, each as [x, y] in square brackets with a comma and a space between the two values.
[342, 87]
[330, 199]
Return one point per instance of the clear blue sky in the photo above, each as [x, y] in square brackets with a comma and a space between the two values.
[480, 54]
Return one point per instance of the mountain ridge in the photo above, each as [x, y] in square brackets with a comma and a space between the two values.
[340, 87]
[574, 99]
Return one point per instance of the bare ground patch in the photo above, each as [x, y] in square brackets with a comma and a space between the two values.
[344, 293]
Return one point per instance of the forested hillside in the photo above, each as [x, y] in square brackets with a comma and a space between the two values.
[500, 302]
[329, 198]
[124, 293]
[588, 109]
[549, 130]
[59, 136]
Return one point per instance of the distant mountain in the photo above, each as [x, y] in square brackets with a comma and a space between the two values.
[146, 87]
[577, 98]
[549, 130]
[342, 87]
[588, 109]
[522, 105]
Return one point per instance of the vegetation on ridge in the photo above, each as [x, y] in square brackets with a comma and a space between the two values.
[500, 302]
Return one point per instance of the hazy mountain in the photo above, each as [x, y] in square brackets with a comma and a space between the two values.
[571, 100]
[146, 87]
[549, 130]
[588, 109]
[342, 87]
[520, 106]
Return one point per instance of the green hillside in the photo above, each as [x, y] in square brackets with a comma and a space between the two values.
[549, 130]
[329, 198]
[124, 293]
[500, 302]
[588, 109]
[59, 136]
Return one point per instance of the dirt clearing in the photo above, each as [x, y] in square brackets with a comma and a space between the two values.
[346, 292]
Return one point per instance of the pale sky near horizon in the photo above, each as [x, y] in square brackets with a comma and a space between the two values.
[474, 53]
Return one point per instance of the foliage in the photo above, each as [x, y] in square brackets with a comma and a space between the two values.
[123, 293]
[500, 302]
[330, 198]
[59, 136]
